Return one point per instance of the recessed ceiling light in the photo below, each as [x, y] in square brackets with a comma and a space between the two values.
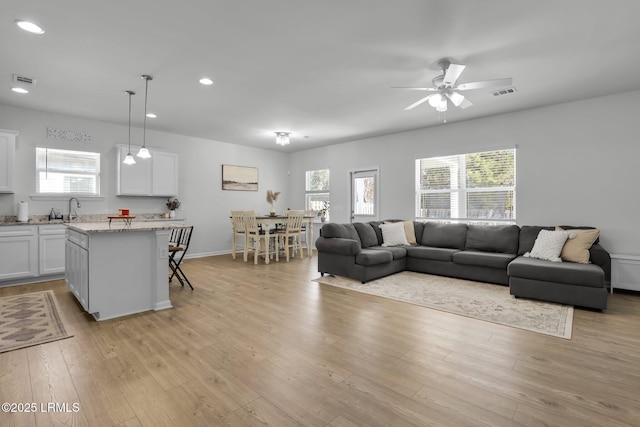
[30, 26]
[19, 90]
[151, 115]
[206, 81]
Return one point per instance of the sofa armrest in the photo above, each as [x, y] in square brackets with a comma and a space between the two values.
[599, 256]
[339, 246]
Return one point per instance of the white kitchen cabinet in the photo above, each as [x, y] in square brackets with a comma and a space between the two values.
[18, 252]
[51, 249]
[7, 153]
[77, 267]
[157, 176]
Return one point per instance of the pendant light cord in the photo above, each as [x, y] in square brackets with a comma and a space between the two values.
[130, 93]
[144, 129]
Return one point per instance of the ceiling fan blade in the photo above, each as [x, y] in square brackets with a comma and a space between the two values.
[452, 74]
[455, 98]
[508, 81]
[429, 89]
[418, 102]
[465, 104]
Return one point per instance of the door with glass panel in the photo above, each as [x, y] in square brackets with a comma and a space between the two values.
[364, 195]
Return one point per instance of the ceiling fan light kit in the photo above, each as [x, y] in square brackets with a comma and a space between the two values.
[445, 88]
[282, 138]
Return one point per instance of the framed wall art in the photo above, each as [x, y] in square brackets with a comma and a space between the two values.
[239, 178]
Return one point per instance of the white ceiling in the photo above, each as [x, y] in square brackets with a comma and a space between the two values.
[321, 69]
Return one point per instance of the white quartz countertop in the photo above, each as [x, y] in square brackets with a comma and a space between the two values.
[121, 226]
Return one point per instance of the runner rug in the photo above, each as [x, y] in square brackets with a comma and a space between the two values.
[30, 319]
[482, 301]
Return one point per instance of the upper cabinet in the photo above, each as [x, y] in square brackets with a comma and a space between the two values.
[157, 176]
[7, 153]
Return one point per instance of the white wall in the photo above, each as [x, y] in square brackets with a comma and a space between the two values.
[577, 164]
[204, 204]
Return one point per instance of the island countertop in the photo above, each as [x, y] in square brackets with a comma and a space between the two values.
[117, 226]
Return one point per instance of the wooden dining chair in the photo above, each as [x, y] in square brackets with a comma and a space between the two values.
[290, 239]
[257, 240]
[237, 224]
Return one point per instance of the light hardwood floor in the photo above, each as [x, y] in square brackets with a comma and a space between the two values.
[259, 345]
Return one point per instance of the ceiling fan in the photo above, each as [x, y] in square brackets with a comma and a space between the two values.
[445, 88]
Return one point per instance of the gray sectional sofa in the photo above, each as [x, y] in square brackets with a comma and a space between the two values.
[492, 254]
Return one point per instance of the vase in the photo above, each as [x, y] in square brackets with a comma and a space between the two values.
[272, 212]
[323, 218]
[172, 214]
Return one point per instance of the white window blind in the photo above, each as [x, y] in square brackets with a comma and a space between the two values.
[67, 172]
[317, 186]
[474, 187]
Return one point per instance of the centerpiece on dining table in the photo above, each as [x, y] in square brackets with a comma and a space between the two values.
[272, 197]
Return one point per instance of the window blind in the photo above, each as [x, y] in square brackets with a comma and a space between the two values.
[67, 172]
[467, 187]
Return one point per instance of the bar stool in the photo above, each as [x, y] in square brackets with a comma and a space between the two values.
[181, 248]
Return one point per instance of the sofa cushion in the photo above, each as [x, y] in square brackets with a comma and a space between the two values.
[376, 227]
[367, 235]
[528, 236]
[418, 228]
[500, 238]
[483, 259]
[580, 227]
[396, 251]
[428, 252]
[443, 235]
[373, 257]
[559, 272]
[393, 234]
[344, 231]
[548, 245]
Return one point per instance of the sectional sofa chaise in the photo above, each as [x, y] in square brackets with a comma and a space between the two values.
[493, 254]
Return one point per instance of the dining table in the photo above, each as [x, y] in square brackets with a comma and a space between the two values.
[272, 221]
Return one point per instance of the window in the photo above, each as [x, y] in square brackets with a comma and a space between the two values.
[317, 191]
[474, 187]
[67, 172]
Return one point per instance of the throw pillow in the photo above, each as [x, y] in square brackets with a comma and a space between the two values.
[409, 231]
[393, 234]
[548, 245]
[577, 249]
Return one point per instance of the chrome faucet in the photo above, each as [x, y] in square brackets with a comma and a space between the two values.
[73, 215]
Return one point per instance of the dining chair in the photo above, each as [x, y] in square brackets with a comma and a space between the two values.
[181, 248]
[290, 239]
[237, 224]
[257, 240]
[305, 227]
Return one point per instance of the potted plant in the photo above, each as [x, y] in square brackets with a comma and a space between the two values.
[272, 196]
[172, 205]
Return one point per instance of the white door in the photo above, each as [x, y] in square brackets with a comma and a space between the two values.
[364, 195]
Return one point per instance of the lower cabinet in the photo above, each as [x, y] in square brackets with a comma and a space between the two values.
[18, 252]
[77, 270]
[51, 249]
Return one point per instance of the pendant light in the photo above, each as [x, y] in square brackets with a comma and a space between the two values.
[144, 153]
[129, 160]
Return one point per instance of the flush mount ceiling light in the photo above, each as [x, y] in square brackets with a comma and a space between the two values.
[129, 160]
[19, 90]
[206, 81]
[151, 115]
[282, 138]
[144, 153]
[30, 27]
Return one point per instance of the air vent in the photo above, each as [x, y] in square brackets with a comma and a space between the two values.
[24, 80]
[506, 91]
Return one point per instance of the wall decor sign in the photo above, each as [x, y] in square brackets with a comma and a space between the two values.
[239, 178]
[68, 135]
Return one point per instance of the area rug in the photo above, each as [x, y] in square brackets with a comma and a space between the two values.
[30, 319]
[482, 301]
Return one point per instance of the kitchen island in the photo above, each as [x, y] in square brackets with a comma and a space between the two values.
[118, 269]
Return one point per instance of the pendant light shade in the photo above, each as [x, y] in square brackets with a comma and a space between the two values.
[143, 153]
[129, 160]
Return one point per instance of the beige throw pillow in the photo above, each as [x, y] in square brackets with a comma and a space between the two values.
[577, 249]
